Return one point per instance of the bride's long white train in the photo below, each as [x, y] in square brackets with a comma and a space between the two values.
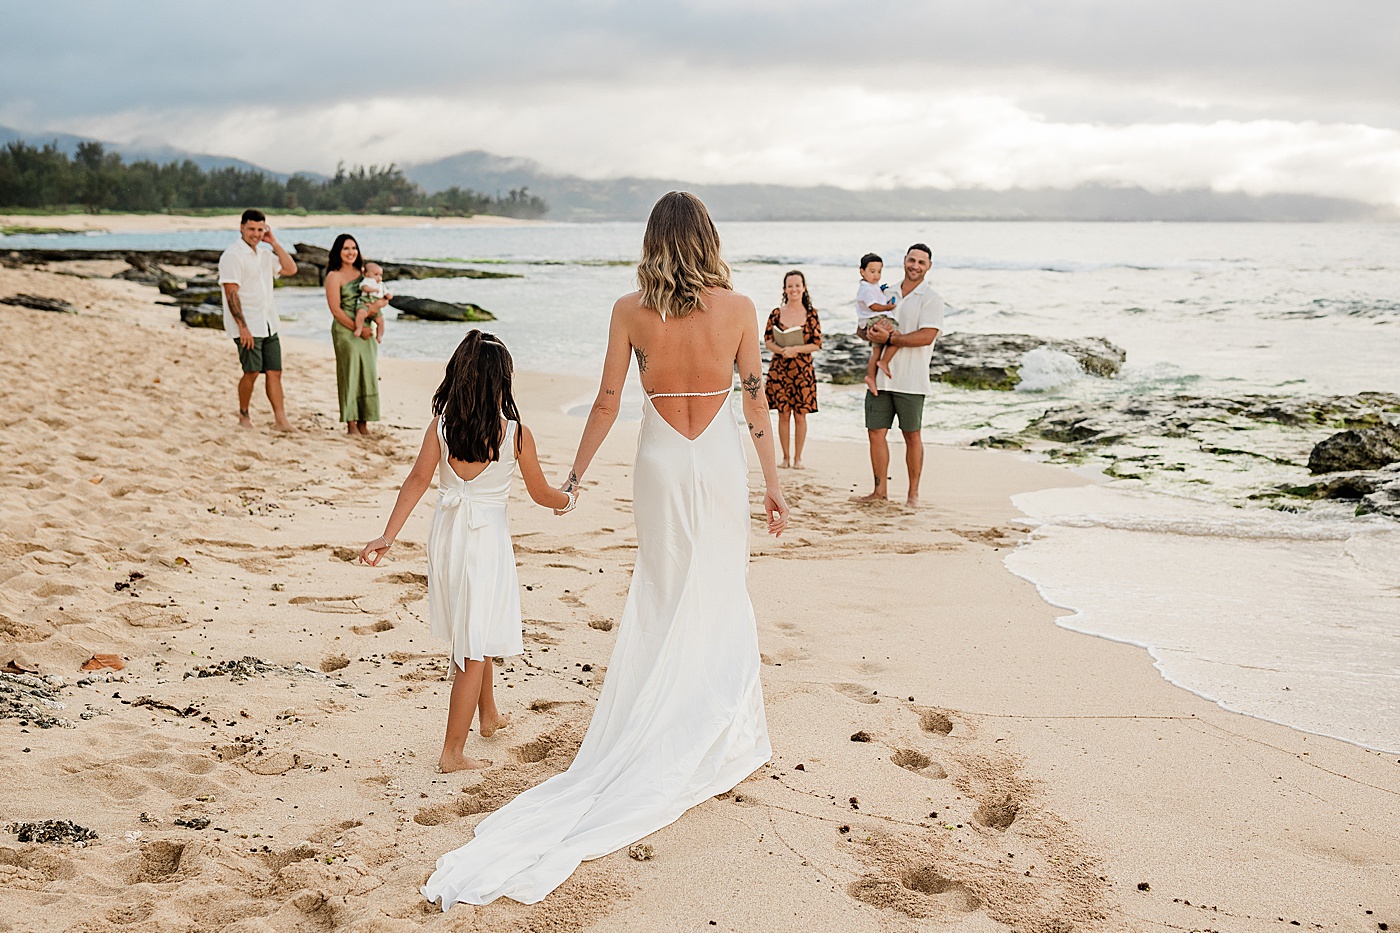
[680, 718]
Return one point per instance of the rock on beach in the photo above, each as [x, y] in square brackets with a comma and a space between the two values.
[971, 361]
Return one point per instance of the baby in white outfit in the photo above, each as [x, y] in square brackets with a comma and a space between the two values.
[372, 288]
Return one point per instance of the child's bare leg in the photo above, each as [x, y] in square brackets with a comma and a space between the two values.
[870, 370]
[461, 707]
[491, 718]
[886, 355]
[360, 317]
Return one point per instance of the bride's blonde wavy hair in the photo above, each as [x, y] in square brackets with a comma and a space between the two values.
[680, 256]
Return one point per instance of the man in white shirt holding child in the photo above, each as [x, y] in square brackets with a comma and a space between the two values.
[919, 311]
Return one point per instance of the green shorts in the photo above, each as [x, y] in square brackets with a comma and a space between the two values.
[266, 355]
[880, 411]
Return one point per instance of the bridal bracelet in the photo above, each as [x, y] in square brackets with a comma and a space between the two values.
[573, 501]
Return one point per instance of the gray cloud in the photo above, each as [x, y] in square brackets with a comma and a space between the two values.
[80, 59]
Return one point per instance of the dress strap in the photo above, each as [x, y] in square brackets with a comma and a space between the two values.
[690, 394]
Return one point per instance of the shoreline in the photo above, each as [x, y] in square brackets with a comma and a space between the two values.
[1073, 785]
[177, 223]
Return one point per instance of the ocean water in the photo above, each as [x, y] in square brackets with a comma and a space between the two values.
[1294, 617]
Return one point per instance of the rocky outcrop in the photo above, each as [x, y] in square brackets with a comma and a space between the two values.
[1178, 415]
[40, 304]
[1367, 448]
[203, 315]
[970, 361]
[1384, 501]
[429, 309]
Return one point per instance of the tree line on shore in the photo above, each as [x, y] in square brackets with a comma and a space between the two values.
[45, 177]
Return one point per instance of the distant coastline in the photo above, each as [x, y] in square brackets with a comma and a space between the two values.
[37, 222]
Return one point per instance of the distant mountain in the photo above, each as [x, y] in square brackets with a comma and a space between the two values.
[151, 151]
[573, 198]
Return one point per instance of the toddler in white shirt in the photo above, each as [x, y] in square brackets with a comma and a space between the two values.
[371, 290]
[873, 301]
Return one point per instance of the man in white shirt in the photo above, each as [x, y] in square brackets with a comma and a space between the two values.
[901, 393]
[246, 273]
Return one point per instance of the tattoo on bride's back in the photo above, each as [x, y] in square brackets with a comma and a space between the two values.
[641, 359]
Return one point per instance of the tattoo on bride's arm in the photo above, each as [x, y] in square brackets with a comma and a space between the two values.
[572, 482]
[752, 384]
[641, 359]
[609, 392]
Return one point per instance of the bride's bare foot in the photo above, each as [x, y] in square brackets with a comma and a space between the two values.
[870, 384]
[459, 762]
[912, 502]
[797, 465]
[784, 465]
[490, 727]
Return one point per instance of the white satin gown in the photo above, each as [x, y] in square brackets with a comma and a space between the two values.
[680, 717]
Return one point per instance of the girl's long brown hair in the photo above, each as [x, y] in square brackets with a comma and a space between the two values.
[680, 256]
[474, 394]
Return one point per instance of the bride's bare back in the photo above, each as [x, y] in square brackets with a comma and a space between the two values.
[694, 353]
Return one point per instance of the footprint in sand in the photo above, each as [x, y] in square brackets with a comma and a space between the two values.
[159, 861]
[343, 604]
[856, 692]
[912, 760]
[934, 720]
[383, 625]
[998, 813]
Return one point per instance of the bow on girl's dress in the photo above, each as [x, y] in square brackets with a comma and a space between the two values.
[455, 497]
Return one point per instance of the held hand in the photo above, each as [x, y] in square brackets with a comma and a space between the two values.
[777, 510]
[374, 551]
[245, 338]
[573, 492]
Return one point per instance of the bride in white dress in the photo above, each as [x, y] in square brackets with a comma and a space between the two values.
[681, 717]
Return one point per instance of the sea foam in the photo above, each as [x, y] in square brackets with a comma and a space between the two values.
[1284, 617]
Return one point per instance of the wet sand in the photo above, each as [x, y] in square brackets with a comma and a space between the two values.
[946, 758]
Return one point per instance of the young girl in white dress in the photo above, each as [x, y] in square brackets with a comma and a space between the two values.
[474, 442]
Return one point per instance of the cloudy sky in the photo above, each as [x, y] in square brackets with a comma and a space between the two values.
[1277, 96]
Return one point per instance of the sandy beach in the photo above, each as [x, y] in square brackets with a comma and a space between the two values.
[174, 223]
[945, 756]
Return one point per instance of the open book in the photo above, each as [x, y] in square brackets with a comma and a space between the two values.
[788, 336]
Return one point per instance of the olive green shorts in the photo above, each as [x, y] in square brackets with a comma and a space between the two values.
[266, 355]
[880, 411]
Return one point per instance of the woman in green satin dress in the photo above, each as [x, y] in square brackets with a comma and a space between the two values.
[356, 358]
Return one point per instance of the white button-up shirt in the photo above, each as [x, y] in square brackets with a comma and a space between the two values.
[252, 270]
[923, 307]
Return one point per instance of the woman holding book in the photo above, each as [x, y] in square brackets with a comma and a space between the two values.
[793, 334]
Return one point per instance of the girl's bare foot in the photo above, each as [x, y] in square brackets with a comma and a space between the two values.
[784, 465]
[870, 384]
[797, 465]
[490, 727]
[459, 762]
